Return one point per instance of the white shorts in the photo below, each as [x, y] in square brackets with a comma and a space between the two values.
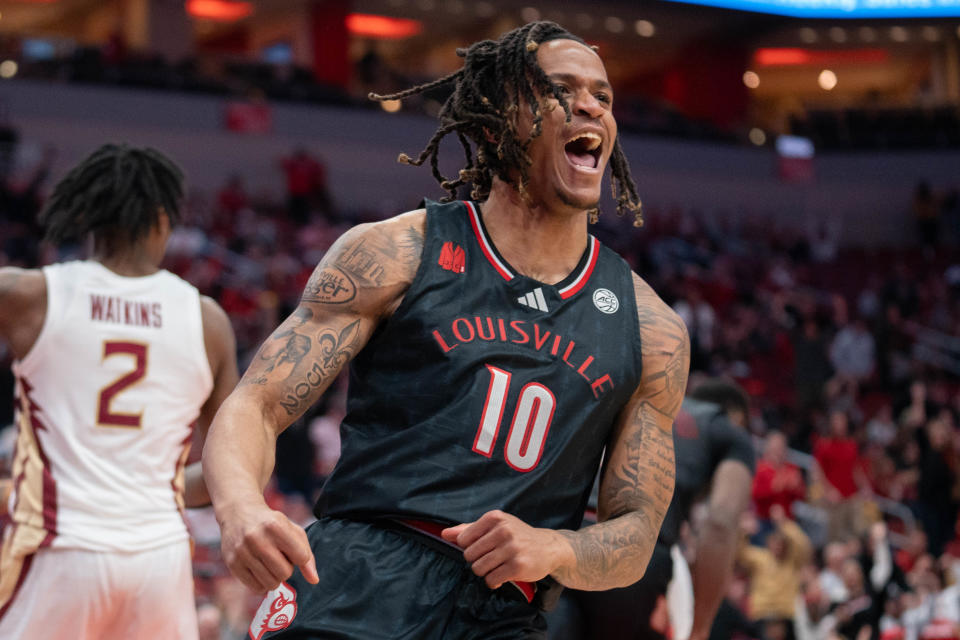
[71, 594]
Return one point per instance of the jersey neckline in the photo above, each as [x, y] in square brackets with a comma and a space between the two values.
[566, 288]
[110, 273]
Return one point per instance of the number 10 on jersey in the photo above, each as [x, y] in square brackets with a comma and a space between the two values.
[530, 424]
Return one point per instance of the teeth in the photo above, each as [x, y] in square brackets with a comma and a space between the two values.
[593, 140]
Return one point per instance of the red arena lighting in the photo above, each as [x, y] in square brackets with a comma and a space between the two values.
[383, 27]
[789, 56]
[221, 10]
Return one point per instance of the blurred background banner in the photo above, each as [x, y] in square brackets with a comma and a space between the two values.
[842, 8]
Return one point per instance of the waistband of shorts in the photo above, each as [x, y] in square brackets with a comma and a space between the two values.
[542, 594]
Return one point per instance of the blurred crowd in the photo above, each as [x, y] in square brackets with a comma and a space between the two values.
[852, 361]
[851, 358]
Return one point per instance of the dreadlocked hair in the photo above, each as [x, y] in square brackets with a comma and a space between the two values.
[496, 77]
[116, 193]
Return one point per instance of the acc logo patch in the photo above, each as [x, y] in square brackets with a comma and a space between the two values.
[276, 612]
[606, 301]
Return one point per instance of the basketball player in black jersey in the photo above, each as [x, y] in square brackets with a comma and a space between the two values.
[498, 350]
[715, 461]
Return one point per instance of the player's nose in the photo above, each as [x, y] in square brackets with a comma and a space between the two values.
[586, 104]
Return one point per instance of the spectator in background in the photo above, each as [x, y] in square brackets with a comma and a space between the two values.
[919, 408]
[915, 548]
[831, 576]
[893, 346]
[232, 197]
[881, 429]
[837, 456]
[936, 499]
[858, 615]
[932, 610]
[306, 185]
[776, 482]
[774, 572]
[853, 352]
[700, 319]
[812, 367]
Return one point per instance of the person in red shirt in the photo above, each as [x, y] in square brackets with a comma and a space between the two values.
[306, 184]
[837, 457]
[776, 481]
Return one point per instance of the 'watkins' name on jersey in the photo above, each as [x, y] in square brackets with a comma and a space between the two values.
[466, 330]
[129, 312]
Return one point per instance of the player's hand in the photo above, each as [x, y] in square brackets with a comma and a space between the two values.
[261, 547]
[501, 547]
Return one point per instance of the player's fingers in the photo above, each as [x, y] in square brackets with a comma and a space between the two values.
[249, 580]
[482, 546]
[488, 562]
[263, 578]
[266, 562]
[499, 575]
[309, 569]
[474, 531]
[450, 534]
[296, 547]
[277, 564]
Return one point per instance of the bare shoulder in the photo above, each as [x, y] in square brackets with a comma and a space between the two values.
[666, 348]
[213, 314]
[370, 267]
[216, 323]
[21, 285]
[23, 305]
[221, 346]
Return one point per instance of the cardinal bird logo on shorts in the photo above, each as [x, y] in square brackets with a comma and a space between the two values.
[452, 257]
[276, 612]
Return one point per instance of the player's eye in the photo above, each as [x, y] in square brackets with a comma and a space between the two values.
[605, 98]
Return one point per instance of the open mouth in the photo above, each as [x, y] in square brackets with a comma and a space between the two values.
[584, 150]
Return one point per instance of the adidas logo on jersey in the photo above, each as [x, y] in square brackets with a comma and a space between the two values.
[534, 300]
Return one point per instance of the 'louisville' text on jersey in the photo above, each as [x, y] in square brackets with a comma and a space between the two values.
[129, 312]
[465, 330]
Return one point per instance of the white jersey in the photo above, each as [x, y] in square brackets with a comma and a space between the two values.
[107, 398]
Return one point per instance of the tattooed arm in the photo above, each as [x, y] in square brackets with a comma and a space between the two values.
[359, 283]
[635, 489]
[637, 483]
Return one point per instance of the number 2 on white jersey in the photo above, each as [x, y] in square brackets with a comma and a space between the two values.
[106, 416]
[530, 424]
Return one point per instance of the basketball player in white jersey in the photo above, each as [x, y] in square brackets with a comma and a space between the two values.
[117, 362]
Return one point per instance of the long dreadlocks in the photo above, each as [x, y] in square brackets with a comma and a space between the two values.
[117, 193]
[497, 76]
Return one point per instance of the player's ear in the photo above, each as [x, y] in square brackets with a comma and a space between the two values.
[163, 221]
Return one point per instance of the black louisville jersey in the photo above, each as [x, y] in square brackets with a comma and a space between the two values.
[487, 389]
[703, 437]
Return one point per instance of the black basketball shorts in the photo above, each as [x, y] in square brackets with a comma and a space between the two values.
[379, 583]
